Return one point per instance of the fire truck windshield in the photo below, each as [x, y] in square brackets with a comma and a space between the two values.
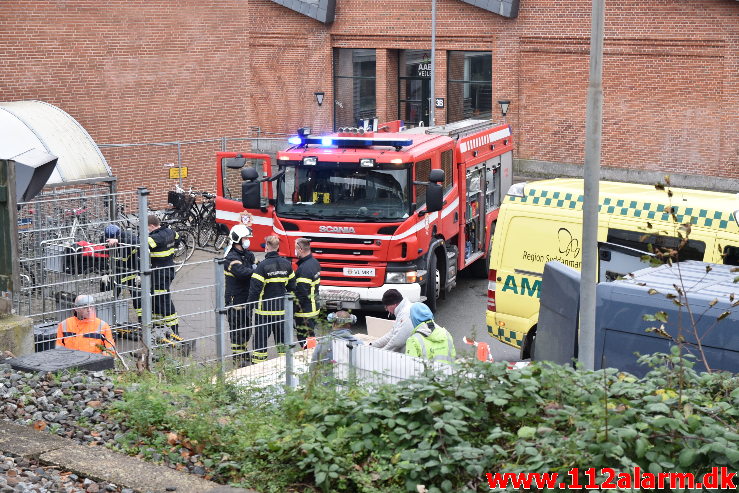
[344, 192]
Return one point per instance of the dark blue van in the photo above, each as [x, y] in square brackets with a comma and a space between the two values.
[621, 305]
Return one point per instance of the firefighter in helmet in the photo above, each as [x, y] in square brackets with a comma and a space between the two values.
[238, 268]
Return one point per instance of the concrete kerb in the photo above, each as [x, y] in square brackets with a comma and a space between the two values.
[101, 464]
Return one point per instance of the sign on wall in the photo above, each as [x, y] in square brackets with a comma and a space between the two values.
[178, 172]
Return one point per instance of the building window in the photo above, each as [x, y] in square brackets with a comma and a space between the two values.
[469, 85]
[414, 79]
[354, 86]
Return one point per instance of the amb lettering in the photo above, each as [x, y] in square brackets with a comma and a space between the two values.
[528, 287]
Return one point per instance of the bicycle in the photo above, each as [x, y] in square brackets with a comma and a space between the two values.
[199, 218]
[186, 246]
[209, 231]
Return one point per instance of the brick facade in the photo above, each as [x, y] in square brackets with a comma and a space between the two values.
[135, 72]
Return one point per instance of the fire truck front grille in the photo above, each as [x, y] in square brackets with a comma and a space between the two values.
[342, 240]
[359, 281]
[341, 251]
[339, 269]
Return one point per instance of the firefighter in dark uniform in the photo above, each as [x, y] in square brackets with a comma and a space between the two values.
[124, 251]
[238, 268]
[162, 242]
[273, 278]
[307, 280]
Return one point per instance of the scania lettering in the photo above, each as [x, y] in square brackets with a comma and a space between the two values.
[406, 208]
[542, 221]
[336, 229]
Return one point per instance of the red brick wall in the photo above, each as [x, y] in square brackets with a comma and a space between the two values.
[135, 71]
[671, 72]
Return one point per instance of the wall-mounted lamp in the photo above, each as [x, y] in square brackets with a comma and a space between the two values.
[504, 103]
[319, 97]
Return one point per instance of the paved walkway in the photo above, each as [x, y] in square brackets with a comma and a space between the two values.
[101, 464]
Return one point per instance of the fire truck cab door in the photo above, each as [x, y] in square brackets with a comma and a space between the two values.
[229, 207]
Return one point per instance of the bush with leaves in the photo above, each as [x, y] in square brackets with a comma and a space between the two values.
[446, 432]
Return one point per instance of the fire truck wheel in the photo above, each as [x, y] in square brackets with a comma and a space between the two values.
[433, 284]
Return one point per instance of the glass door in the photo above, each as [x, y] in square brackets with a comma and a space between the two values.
[414, 87]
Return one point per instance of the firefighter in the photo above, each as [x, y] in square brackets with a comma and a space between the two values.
[162, 243]
[429, 340]
[123, 246]
[272, 278]
[307, 280]
[83, 331]
[238, 268]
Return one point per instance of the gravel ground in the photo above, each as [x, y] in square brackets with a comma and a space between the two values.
[18, 475]
[69, 405]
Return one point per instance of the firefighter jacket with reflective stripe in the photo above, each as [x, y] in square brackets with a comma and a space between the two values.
[272, 278]
[162, 242]
[433, 344]
[84, 335]
[125, 256]
[307, 280]
[238, 268]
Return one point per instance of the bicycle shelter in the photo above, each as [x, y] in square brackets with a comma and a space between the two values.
[77, 201]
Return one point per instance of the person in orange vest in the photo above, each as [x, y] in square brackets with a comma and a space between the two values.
[84, 331]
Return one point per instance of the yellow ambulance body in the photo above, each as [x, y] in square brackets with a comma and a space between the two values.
[542, 221]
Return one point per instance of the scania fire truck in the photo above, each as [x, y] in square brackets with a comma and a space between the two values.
[384, 206]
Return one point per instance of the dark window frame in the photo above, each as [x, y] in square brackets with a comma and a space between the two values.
[425, 82]
[641, 240]
[357, 98]
[480, 86]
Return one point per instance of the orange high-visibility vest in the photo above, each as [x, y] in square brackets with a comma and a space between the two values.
[84, 335]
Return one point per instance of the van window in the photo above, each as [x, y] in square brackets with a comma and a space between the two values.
[694, 250]
[731, 255]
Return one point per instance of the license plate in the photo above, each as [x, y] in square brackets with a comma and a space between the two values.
[359, 271]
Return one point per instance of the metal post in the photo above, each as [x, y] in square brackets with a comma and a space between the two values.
[593, 131]
[224, 144]
[145, 270]
[9, 280]
[352, 364]
[288, 328]
[179, 161]
[432, 109]
[220, 286]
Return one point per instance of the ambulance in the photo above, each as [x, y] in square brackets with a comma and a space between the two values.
[542, 221]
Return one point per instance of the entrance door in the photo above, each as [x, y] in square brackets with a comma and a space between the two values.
[414, 92]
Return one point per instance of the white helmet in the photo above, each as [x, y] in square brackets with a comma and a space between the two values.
[238, 232]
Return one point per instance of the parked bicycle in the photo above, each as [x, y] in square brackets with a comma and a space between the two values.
[199, 217]
[186, 246]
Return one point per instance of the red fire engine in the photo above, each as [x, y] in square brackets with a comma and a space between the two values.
[384, 207]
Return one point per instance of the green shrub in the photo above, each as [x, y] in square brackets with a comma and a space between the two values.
[446, 432]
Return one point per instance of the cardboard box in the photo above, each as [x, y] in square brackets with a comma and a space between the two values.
[378, 327]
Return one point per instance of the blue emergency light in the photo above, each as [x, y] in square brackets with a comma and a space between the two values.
[329, 141]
